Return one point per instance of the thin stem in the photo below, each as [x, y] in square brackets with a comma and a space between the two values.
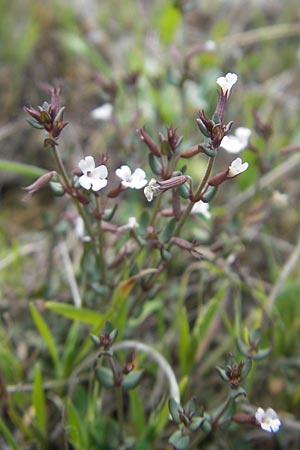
[155, 210]
[60, 164]
[63, 173]
[119, 396]
[120, 408]
[100, 245]
[84, 217]
[199, 190]
[220, 413]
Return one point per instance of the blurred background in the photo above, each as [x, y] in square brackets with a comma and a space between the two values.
[155, 63]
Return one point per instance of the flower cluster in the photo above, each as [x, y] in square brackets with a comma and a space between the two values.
[49, 116]
[95, 177]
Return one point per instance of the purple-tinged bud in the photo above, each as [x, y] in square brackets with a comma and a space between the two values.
[217, 179]
[148, 141]
[243, 418]
[172, 182]
[39, 183]
[190, 152]
[173, 139]
[182, 243]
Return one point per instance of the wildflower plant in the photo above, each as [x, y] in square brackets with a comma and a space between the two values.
[126, 259]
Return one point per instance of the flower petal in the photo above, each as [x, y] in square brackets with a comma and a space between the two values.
[85, 181]
[201, 207]
[100, 172]
[98, 183]
[87, 164]
[124, 173]
[103, 112]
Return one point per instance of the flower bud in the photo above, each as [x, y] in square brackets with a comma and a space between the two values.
[148, 141]
[190, 152]
[40, 182]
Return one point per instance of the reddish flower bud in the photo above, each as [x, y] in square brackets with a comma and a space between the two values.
[148, 141]
[39, 183]
[217, 179]
[190, 152]
[172, 182]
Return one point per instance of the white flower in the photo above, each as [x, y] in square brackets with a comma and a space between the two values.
[237, 142]
[93, 177]
[151, 189]
[237, 167]
[130, 225]
[268, 421]
[227, 82]
[201, 208]
[135, 180]
[103, 112]
[210, 46]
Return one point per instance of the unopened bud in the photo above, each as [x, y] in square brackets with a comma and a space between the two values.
[39, 183]
[217, 179]
[190, 152]
[148, 141]
[172, 182]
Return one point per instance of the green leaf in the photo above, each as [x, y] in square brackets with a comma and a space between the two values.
[184, 190]
[184, 343]
[261, 354]
[174, 408]
[131, 380]
[76, 428]
[105, 377]
[83, 315]
[137, 412]
[70, 349]
[39, 402]
[196, 423]
[206, 316]
[4, 431]
[57, 188]
[235, 393]
[169, 21]
[21, 168]
[179, 441]
[147, 309]
[155, 164]
[46, 334]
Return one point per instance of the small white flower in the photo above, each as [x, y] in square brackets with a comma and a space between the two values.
[227, 82]
[103, 112]
[151, 189]
[201, 208]
[135, 180]
[130, 225]
[237, 142]
[93, 177]
[268, 420]
[237, 167]
[210, 45]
